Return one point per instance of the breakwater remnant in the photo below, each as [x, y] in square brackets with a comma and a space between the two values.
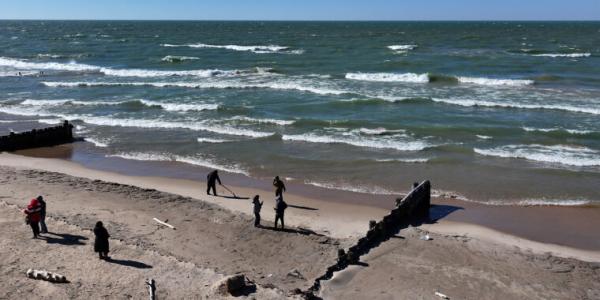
[412, 209]
[49, 136]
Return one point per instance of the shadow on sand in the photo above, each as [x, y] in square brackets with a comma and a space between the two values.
[298, 230]
[63, 239]
[129, 263]
[302, 207]
[232, 197]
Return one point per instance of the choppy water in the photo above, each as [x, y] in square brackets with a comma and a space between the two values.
[494, 111]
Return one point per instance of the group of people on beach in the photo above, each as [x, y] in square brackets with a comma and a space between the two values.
[35, 217]
[35, 213]
[280, 206]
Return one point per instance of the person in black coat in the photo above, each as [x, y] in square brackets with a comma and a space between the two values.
[279, 208]
[211, 182]
[101, 243]
[43, 214]
[257, 207]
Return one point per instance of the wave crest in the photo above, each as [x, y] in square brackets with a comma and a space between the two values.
[559, 154]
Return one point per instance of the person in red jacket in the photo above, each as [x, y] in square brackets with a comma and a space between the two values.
[33, 214]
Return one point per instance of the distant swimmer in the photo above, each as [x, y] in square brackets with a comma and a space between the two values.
[257, 207]
[211, 182]
[279, 187]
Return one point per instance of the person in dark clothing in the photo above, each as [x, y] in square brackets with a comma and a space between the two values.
[280, 207]
[33, 216]
[40, 200]
[101, 243]
[211, 180]
[257, 207]
[279, 187]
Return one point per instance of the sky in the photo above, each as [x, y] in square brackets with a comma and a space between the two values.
[302, 9]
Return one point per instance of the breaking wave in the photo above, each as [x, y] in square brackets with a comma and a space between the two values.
[559, 154]
[162, 105]
[176, 59]
[206, 85]
[263, 121]
[352, 188]
[198, 161]
[572, 55]
[571, 131]
[358, 141]
[426, 78]
[255, 49]
[482, 103]
[77, 67]
[389, 77]
[180, 106]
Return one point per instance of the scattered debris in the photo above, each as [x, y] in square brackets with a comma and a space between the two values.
[426, 237]
[45, 275]
[164, 223]
[296, 273]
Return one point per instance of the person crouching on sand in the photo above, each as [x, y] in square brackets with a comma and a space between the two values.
[101, 243]
[33, 216]
[280, 207]
[211, 180]
[279, 187]
[257, 207]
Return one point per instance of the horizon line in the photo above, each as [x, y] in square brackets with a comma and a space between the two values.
[311, 20]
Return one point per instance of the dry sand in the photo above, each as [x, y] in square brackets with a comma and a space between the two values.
[215, 238]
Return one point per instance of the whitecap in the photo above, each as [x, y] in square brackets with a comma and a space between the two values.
[176, 58]
[559, 154]
[181, 106]
[198, 161]
[471, 103]
[206, 85]
[267, 49]
[494, 81]
[263, 121]
[366, 142]
[572, 55]
[352, 188]
[389, 77]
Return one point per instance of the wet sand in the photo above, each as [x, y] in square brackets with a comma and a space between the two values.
[571, 226]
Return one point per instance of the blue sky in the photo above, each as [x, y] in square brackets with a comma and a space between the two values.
[303, 9]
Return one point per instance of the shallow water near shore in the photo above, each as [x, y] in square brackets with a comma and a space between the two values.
[502, 113]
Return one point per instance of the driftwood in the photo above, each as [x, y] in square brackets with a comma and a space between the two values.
[45, 275]
[151, 288]
[164, 223]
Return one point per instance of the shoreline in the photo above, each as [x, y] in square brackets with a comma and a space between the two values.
[514, 226]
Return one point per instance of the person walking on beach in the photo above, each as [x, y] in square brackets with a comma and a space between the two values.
[257, 207]
[280, 207]
[33, 216]
[211, 180]
[101, 242]
[279, 187]
[42, 203]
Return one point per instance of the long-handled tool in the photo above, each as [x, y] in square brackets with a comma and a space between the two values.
[225, 187]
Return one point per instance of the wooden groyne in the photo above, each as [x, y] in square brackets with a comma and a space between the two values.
[413, 207]
[50, 136]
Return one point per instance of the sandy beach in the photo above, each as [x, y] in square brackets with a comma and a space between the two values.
[215, 238]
